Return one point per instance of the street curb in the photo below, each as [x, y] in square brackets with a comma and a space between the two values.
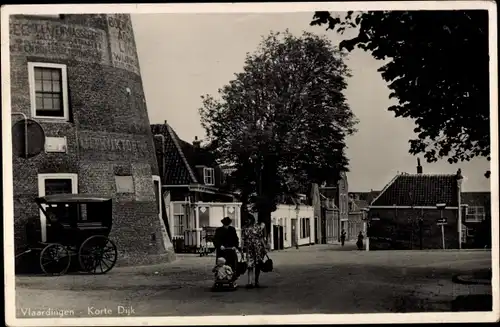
[465, 280]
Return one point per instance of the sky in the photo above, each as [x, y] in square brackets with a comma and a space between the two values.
[185, 56]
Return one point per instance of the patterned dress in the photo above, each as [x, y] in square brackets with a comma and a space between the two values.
[253, 243]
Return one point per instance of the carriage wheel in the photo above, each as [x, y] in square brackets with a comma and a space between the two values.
[97, 254]
[55, 259]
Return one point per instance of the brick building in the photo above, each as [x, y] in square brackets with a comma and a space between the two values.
[405, 214]
[78, 76]
[476, 213]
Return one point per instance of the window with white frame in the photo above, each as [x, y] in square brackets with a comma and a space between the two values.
[475, 214]
[56, 183]
[179, 218]
[48, 90]
[209, 176]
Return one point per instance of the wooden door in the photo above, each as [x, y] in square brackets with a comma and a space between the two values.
[276, 238]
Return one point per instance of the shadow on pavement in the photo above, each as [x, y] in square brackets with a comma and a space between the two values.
[475, 302]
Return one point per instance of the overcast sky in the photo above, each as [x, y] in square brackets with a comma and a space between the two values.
[184, 56]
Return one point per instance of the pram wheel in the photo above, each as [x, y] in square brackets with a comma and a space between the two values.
[224, 286]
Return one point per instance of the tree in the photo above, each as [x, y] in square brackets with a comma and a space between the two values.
[283, 120]
[438, 69]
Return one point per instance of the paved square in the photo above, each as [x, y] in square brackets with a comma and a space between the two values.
[317, 279]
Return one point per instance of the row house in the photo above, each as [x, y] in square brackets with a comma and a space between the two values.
[194, 190]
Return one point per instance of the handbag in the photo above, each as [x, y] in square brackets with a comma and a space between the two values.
[267, 265]
[241, 266]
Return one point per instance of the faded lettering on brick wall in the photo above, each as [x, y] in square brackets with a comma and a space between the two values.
[106, 144]
[56, 40]
[123, 52]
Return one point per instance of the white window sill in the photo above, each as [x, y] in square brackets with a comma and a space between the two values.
[51, 119]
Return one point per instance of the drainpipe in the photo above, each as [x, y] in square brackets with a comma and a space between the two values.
[459, 190]
[366, 218]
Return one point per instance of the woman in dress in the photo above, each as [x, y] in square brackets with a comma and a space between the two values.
[253, 237]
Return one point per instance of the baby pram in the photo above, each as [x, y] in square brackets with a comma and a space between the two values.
[238, 265]
[207, 241]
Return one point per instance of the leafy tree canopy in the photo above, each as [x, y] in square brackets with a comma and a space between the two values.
[438, 70]
[283, 120]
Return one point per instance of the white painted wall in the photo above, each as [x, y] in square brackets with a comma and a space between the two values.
[283, 216]
[193, 236]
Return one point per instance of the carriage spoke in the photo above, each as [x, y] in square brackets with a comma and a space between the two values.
[55, 259]
[97, 254]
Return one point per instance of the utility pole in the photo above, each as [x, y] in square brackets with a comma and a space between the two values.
[441, 207]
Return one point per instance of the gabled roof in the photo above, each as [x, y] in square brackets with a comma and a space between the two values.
[181, 158]
[419, 190]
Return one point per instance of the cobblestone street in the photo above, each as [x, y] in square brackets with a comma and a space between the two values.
[316, 279]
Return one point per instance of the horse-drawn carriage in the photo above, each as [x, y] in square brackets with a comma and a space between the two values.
[72, 226]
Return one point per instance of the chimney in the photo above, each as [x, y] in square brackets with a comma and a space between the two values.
[419, 168]
[459, 176]
[196, 142]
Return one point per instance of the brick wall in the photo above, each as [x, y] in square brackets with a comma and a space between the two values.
[402, 227]
[108, 127]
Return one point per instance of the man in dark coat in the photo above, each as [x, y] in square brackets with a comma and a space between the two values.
[225, 239]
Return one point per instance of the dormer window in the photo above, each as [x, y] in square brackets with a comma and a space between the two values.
[209, 176]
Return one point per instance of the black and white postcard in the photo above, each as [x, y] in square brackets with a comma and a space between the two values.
[250, 163]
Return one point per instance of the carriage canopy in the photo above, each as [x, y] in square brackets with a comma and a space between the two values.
[71, 198]
[77, 208]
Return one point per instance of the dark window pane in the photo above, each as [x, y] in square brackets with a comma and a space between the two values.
[58, 186]
[56, 102]
[56, 86]
[38, 73]
[47, 103]
[56, 74]
[47, 86]
[47, 74]
[38, 85]
[48, 90]
[39, 101]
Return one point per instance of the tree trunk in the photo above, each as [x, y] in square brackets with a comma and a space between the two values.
[264, 216]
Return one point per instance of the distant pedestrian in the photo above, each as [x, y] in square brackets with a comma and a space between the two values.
[359, 243]
[342, 237]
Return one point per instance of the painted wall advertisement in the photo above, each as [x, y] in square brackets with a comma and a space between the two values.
[58, 40]
[122, 44]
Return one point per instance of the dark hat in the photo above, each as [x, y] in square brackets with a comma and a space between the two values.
[226, 221]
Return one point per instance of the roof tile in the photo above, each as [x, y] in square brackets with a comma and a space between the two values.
[420, 190]
[177, 153]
